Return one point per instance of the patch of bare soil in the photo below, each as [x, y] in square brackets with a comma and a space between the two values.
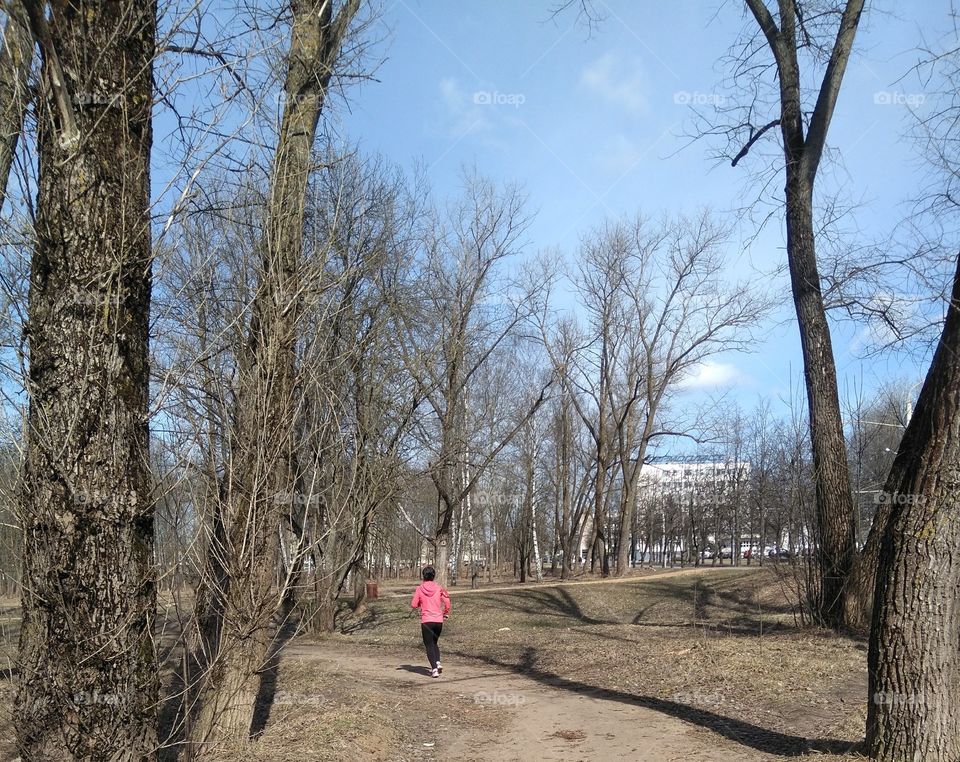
[335, 708]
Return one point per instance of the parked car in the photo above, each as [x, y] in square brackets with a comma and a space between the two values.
[778, 554]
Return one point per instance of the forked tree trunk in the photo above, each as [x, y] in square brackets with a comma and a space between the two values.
[803, 148]
[15, 60]
[630, 468]
[862, 581]
[88, 685]
[261, 482]
[914, 657]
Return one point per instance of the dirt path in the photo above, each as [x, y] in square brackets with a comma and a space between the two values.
[543, 722]
[575, 583]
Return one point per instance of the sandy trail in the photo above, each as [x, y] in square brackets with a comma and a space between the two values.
[544, 722]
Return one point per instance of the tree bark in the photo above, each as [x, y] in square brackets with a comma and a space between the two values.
[88, 686]
[836, 522]
[914, 656]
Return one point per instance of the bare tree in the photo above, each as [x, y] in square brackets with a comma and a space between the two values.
[657, 307]
[573, 474]
[462, 309]
[16, 57]
[262, 452]
[798, 28]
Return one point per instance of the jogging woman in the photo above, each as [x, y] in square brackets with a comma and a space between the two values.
[434, 604]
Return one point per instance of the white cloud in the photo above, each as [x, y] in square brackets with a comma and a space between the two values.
[712, 375]
[617, 80]
[477, 115]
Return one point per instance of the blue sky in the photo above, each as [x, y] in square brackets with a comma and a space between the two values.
[593, 125]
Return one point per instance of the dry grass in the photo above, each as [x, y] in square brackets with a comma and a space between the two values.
[719, 649]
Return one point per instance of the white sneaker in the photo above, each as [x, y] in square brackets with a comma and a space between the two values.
[435, 673]
[439, 668]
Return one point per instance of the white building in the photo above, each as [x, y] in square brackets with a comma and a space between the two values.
[686, 477]
[686, 480]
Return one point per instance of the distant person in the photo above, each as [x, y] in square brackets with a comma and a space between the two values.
[434, 604]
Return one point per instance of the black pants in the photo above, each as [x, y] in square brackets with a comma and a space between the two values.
[431, 634]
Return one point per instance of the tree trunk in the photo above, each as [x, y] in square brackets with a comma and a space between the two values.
[804, 139]
[441, 562]
[88, 685]
[836, 524]
[914, 658]
[537, 561]
[862, 581]
[261, 481]
[627, 510]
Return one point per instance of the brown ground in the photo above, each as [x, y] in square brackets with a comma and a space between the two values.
[690, 665]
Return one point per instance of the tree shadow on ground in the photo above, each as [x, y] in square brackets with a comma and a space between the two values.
[742, 732]
[267, 690]
[555, 600]
[714, 606]
[729, 612]
[371, 618]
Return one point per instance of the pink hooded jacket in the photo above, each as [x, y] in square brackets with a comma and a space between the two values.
[432, 600]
